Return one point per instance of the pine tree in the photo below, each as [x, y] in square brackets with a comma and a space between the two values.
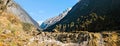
[64, 27]
[72, 26]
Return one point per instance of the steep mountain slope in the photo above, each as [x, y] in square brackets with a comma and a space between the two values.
[13, 31]
[11, 7]
[91, 15]
[53, 20]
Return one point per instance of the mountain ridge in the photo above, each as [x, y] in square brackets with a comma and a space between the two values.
[83, 10]
[55, 19]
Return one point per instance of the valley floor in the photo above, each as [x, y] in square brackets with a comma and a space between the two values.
[82, 38]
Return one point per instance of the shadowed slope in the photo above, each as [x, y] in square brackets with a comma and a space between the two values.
[90, 14]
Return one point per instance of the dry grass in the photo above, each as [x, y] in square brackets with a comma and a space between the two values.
[12, 31]
[15, 33]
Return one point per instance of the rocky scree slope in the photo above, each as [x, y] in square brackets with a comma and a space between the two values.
[90, 15]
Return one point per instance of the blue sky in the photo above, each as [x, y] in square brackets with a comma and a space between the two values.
[40, 10]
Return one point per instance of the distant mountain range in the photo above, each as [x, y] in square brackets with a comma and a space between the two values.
[54, 20]
[90, 15]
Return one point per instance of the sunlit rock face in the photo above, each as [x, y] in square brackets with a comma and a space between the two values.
[106, 13]
[11, 7]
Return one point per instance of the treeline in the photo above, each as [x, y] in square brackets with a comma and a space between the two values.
[92, 22]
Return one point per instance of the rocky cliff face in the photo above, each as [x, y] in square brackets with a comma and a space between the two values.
[91, 15]
[11, 7]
